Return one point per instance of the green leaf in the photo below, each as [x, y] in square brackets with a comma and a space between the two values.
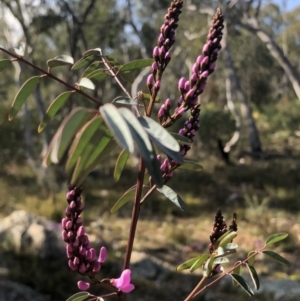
[191, 165]
[65, 134]
[120, 164]
[98, 154]
[86, 83]
[187, 264]
[124, 199]
[137, 64]
[125, 101]
[208, 267]
[61, 60]
[254, 276]
[276, 257]
[276, 237]
[98, 75]
[182, 139]
[82, 62]
[231, 246]
[81, 140]
[56, 104]
[224, 252]
[221, 260]
[237, 269]
[96, 52]
[199, 262]
[225, 239]
[162, 138]
[243, 284]
[22, 95]
[146, 150]
[79, 296]
[91, 68]
[170, 194]
[118, 126]
[158, 133]
[252, 259]
[4, 63]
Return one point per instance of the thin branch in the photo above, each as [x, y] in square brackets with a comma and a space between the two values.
[21, 59]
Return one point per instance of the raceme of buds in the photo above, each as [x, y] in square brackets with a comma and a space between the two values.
[166, 39]
[81, 256]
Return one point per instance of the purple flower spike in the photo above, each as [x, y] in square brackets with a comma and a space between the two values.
[83, 286]
[123, 283]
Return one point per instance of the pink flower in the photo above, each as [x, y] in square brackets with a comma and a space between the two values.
[123, 283]
[83, 286]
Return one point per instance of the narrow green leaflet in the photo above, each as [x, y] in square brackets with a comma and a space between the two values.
[95, 51]
[276, 237]
[187, 264]
[237, 269]
[22, 95]
[79, 296]
[191, 165]
[170, 194]
[182, 139]
[81, 140]
[252, 259]
[243, 284]
[225, 239]
[158, 133]
[99, 153]
[254, 276]
[125, 101]
[98, 75]
[56, 104]
[230, 246]
[146, 150]
[81, 162]
[83, 62]
[276, 257]
[199, 262]
[118, 126]
[124, 199]
[65, 134]
[208, 267]
[91, 68]
[61, 60]
[224, 252]
[86, 83]
[3, 64]
[137, 64]
[221, 260]
[120, 164]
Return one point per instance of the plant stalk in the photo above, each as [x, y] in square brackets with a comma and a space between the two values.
[135, 213]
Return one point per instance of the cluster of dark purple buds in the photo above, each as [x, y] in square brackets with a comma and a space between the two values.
[220, 228]
[166, 39]
[82, 258]
[205, 65]
[189, 130]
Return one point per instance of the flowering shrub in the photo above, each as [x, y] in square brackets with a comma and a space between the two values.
[88, 135]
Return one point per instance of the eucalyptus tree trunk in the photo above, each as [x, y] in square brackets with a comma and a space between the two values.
[233, 81]
[277, 53]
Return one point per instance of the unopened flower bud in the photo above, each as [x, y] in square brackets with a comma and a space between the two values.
[180, 112]
[83, 286]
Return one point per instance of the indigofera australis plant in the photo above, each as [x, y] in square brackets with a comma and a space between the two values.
[86, 136]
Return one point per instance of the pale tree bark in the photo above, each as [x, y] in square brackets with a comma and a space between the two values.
[245, 106]
[276, 52]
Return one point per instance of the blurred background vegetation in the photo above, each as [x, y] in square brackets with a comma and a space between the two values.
[254, 93]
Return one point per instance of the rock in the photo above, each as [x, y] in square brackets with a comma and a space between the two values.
[145, 266]
[13, 291]
[24, 232]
